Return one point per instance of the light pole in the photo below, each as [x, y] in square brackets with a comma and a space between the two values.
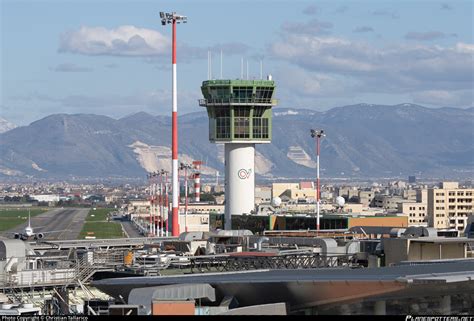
[318, 134]
[154, 199]
[167, 204]
[174, 18]
[185, 167]
[150, 193]
[160, 203]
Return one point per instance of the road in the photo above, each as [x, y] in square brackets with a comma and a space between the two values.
[67, 221]
[130, 229]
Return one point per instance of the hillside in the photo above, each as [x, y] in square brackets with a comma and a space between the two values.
[362, 140]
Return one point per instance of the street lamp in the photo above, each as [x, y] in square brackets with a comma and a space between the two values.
[185, 167]
[150, 193]
[164, 202]
[318, 134]
[174, 18]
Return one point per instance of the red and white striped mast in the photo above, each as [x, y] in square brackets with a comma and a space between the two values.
[317, 134]
[174, 18]
[150, 212]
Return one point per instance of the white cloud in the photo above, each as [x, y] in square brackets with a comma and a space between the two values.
[410, 69]
[131, 41]
[445, 98]
[465, 47]
[427, 36]
[122, 41]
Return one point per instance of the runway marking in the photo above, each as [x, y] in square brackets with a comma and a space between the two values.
[67, 228]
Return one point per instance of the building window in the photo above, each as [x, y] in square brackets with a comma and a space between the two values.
[222, 123]
[220, 92]
[241, 127]
[263, 94]
[260, 127]
[257, 127]
[242, 93]
[258, 111]
[241, 122]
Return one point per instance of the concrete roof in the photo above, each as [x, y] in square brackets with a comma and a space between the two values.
[306, 288]
[307, 275]
[441, 239]
[13, 248]
[176, 292]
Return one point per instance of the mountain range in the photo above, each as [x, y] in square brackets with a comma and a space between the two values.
[362, 141]
[5, 125]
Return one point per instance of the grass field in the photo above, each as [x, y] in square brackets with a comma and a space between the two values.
[99, 215]
[96, 224]
[9, 218]
[102, 230]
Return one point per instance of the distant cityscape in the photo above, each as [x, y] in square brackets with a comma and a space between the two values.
[443, 205]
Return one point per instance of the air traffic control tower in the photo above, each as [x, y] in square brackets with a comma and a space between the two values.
[240, 116]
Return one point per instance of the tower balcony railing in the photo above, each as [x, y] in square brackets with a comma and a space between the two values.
[250, 101]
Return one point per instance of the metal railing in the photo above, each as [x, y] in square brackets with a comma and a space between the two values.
[287, 261]
[253, 101]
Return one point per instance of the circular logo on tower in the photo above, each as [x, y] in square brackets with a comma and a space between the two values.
[243, 173]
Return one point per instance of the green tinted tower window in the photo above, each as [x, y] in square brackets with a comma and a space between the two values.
[239, 110]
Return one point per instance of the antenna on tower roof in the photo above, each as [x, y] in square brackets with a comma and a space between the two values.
[221, 64]
[241, 67]
[210, 64]
[261, 69]
[247, 69]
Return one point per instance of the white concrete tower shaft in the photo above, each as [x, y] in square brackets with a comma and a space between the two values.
[239, 180]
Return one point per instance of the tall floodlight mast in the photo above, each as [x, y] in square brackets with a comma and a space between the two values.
[174, 18]
[318, 134]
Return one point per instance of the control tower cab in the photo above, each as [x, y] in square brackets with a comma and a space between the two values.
[240, 116]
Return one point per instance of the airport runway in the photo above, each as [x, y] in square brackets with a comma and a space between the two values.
[68, 221]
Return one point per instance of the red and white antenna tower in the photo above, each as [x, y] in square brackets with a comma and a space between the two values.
[174, 18]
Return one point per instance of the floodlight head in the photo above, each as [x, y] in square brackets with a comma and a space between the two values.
[162, 15]
[317, 133]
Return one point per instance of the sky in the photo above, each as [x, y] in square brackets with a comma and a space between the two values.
[114, 57]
